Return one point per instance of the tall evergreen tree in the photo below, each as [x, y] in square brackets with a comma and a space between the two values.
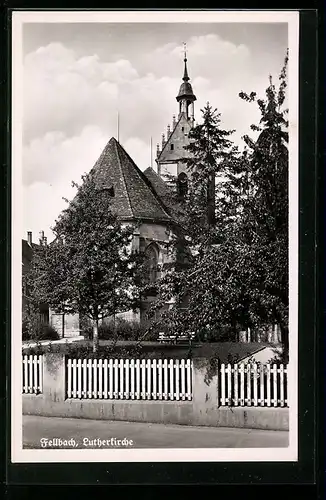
[210, 147]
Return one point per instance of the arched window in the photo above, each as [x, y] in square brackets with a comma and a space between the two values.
[151, 255]
[182, 184]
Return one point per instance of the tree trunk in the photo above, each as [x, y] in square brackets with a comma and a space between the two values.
[95, 336]
[63, 325]
[114, 325]
[211, 201]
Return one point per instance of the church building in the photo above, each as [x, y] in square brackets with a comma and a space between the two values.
[142, 196]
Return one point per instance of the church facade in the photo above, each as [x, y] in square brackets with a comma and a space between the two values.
[140, 197]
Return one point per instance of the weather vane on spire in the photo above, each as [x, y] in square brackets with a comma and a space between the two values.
[185, 74]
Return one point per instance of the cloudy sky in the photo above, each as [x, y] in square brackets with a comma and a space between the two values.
[78, 76]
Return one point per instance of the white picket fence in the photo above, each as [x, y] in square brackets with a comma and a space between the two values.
[253, 385]
[32, 374]
[143, 379]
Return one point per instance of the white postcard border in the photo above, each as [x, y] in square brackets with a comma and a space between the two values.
[20, 455]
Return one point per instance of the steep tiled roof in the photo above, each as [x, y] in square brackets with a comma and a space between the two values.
[165, 193]
[161, 188]
[134, 195]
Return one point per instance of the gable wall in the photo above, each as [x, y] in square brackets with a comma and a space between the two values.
[179, 139]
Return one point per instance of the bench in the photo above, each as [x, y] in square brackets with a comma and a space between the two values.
[163, 337]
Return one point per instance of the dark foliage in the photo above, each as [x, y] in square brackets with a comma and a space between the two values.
[42, 332]
[120, 330]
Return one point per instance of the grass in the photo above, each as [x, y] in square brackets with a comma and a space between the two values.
[225, 351]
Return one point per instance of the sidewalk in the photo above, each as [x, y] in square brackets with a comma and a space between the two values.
[144, 435]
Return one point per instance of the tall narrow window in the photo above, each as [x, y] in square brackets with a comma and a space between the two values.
[151, 254]
[111, 191]
[172, 147]
[182, 184]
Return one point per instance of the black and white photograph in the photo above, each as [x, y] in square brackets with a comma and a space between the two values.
[154, 236]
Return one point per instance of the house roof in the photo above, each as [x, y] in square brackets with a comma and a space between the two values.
[134, 195]
[27, 250]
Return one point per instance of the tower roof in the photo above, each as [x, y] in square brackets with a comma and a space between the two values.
[185, 73]
[134, 197]
[185, 90]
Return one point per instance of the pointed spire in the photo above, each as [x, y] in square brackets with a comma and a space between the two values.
[185, 73]
[185, 92]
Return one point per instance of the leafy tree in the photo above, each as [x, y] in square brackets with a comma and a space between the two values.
[90, 267]
[31, 320]
[237, 272]
[266, 213]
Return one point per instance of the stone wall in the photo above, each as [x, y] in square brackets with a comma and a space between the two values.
[203, 410]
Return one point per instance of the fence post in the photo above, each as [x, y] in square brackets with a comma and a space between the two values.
[205, 392]
[282, 384]
[54, 376]
[218, 379]
[222, 384]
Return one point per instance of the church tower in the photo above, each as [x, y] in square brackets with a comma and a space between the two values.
[186, 97]
[170, 153]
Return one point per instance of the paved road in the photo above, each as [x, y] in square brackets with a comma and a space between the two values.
[143, 435]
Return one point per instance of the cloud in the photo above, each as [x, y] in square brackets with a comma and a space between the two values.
[42, 204]
[139, 152]
[65, 92]
[56, 158]
[71, 105]
[53, 161]
[207, 55]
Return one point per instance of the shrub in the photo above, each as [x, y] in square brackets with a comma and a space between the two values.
[41, 332]
[84, 350]
[124, 330]
[25, 333]
[47, 332]
[216, 334]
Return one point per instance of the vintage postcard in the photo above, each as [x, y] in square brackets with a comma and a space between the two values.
[154, 236]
